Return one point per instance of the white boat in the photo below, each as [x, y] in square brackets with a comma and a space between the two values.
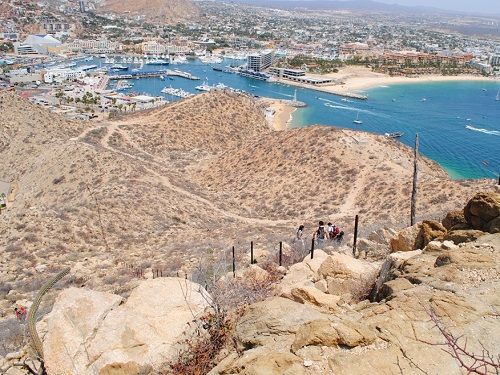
[203, 87]
[157, 62]
[357, 121]
[117, 67]
[162, 78]
[394, 135]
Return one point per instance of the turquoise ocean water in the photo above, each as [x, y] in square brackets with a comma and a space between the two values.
[458, 122]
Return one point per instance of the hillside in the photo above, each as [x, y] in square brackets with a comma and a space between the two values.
[162, 189]
[161, 11]
[323, 172]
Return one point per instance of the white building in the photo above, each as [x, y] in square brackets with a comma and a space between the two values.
[37, 44]
[152, 47]
[60, 75]
[495, 60]
[95, 46]
[260, 61]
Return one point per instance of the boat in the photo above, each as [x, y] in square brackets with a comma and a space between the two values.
[357, 121]
[176, 92]
[394, 134]
[256, 75]
[157, 62]
[204, 87]
[217, 68]
[118, 67]
[162, 78]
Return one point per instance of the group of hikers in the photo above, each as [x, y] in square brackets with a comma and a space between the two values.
[323, 234]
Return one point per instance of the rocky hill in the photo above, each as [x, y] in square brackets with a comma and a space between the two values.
[167, 189]
[160, 11]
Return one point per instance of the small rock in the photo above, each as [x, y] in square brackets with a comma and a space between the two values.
[308, 363]
[41, 268]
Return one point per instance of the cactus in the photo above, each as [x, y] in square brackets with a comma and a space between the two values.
[35, 339]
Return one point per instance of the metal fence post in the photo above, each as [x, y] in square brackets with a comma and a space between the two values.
[234, 265]
[251, 253]
[355, 235]
[281, 251]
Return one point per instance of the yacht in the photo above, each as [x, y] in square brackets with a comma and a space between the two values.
[204, 87]
[394, 135]
[357, 121]
[118, 67]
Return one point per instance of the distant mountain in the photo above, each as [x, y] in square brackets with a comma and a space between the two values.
[165, 11]
[353, 5]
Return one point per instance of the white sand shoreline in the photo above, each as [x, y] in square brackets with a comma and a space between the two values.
[354, 81]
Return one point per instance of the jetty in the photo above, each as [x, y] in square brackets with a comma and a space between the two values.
[156, 73]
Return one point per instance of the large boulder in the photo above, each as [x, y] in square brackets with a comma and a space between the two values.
[407, 239]
[454, 219]
[346, 275]
[89, 332]
[273, 322]
[482, 209]
[430, 230]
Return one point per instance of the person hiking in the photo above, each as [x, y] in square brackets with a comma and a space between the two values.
[320, 235]
[330, 230]
[298, 239]
[299, 234]
[21, 313]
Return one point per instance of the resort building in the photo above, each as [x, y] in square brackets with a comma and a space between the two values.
[299, 75]
[94, 46]
[37, 44]
[260, 61]
[495, 60]
[152, 47]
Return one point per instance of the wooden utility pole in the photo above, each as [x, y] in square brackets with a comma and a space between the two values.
[415, 183]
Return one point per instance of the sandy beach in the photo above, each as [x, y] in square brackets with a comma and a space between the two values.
[353, 80]
[282, 113]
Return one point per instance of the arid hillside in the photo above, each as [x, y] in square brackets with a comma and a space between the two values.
[160, 189]
[162, 11]
[323, 172]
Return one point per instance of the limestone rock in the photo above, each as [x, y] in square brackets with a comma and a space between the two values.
[314, 296]
[482, 209]
[273, 320]
[90, 331]
[382, 236]
[461, 236]
[393, 287]
[406, 239]
[326, 333]
[261, 361]
[298, 275]
[430, 230]
[453, 219]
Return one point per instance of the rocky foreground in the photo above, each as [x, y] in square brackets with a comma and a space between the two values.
[431, 306]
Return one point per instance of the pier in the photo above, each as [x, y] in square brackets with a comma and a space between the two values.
[156, 73]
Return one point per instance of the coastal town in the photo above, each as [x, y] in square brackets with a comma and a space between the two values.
[80, 61]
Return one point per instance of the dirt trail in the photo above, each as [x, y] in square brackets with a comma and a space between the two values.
[113, 127]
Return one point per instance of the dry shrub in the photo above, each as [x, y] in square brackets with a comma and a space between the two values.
[229, 296]
[200, 350]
